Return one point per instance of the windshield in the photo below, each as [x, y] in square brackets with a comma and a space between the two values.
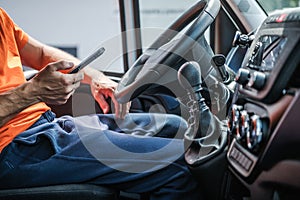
[272, 5]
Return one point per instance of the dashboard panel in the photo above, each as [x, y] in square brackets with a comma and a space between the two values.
[263, 127]
[263, 75]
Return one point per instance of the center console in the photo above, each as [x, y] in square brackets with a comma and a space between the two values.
[262, 123]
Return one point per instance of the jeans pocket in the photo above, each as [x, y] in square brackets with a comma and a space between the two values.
[42, 149]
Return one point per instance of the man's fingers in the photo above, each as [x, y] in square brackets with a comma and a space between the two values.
[123, 111]
[128, 105]
[75, 78]
[116, 106]
[102, 103]
[65, 78]
[61, 65]
[120, 109]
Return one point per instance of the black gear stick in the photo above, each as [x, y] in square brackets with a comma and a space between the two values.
[202, 138]
[189, 77]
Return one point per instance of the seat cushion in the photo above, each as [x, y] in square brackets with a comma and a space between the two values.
[60, 192]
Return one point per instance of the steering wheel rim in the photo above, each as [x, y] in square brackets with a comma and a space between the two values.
[148, 68]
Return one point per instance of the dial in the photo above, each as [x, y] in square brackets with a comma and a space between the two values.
[255, 134]
[234, 121]
[245, 124]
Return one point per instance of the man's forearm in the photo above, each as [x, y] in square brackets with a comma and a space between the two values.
[37, 55]
[52, 54]
[14, 101]
[94, 76]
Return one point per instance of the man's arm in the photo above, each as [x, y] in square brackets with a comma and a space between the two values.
[49, 86]
[37, 55]
[9, 107]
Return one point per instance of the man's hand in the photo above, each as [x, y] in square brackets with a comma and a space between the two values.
[103, 88]
[54, 87]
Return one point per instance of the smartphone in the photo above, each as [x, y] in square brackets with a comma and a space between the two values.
[88, 60]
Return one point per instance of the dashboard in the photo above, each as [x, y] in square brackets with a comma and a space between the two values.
[263, 129]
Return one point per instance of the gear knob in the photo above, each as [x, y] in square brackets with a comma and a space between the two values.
[189, 77]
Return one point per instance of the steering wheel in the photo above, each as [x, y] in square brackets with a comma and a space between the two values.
[151, 65]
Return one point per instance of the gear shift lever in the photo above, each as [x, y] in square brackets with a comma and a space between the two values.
[189, 77]
[204, 136]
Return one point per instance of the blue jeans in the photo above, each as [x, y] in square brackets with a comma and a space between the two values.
[100, 150]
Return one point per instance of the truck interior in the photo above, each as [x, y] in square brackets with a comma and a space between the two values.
[248, 55]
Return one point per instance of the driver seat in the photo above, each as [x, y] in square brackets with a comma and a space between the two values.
[61, 192]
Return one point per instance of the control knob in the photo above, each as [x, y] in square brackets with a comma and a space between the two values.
[257, 80]
[245, 124]
[243, 76]
[255, 135]
[234, 119]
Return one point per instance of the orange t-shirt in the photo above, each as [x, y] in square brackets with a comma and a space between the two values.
[13, 39]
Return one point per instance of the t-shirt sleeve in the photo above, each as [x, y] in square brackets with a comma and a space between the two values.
[21, 37]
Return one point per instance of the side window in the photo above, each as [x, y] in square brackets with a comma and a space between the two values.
[157, 15]
[76, 26]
